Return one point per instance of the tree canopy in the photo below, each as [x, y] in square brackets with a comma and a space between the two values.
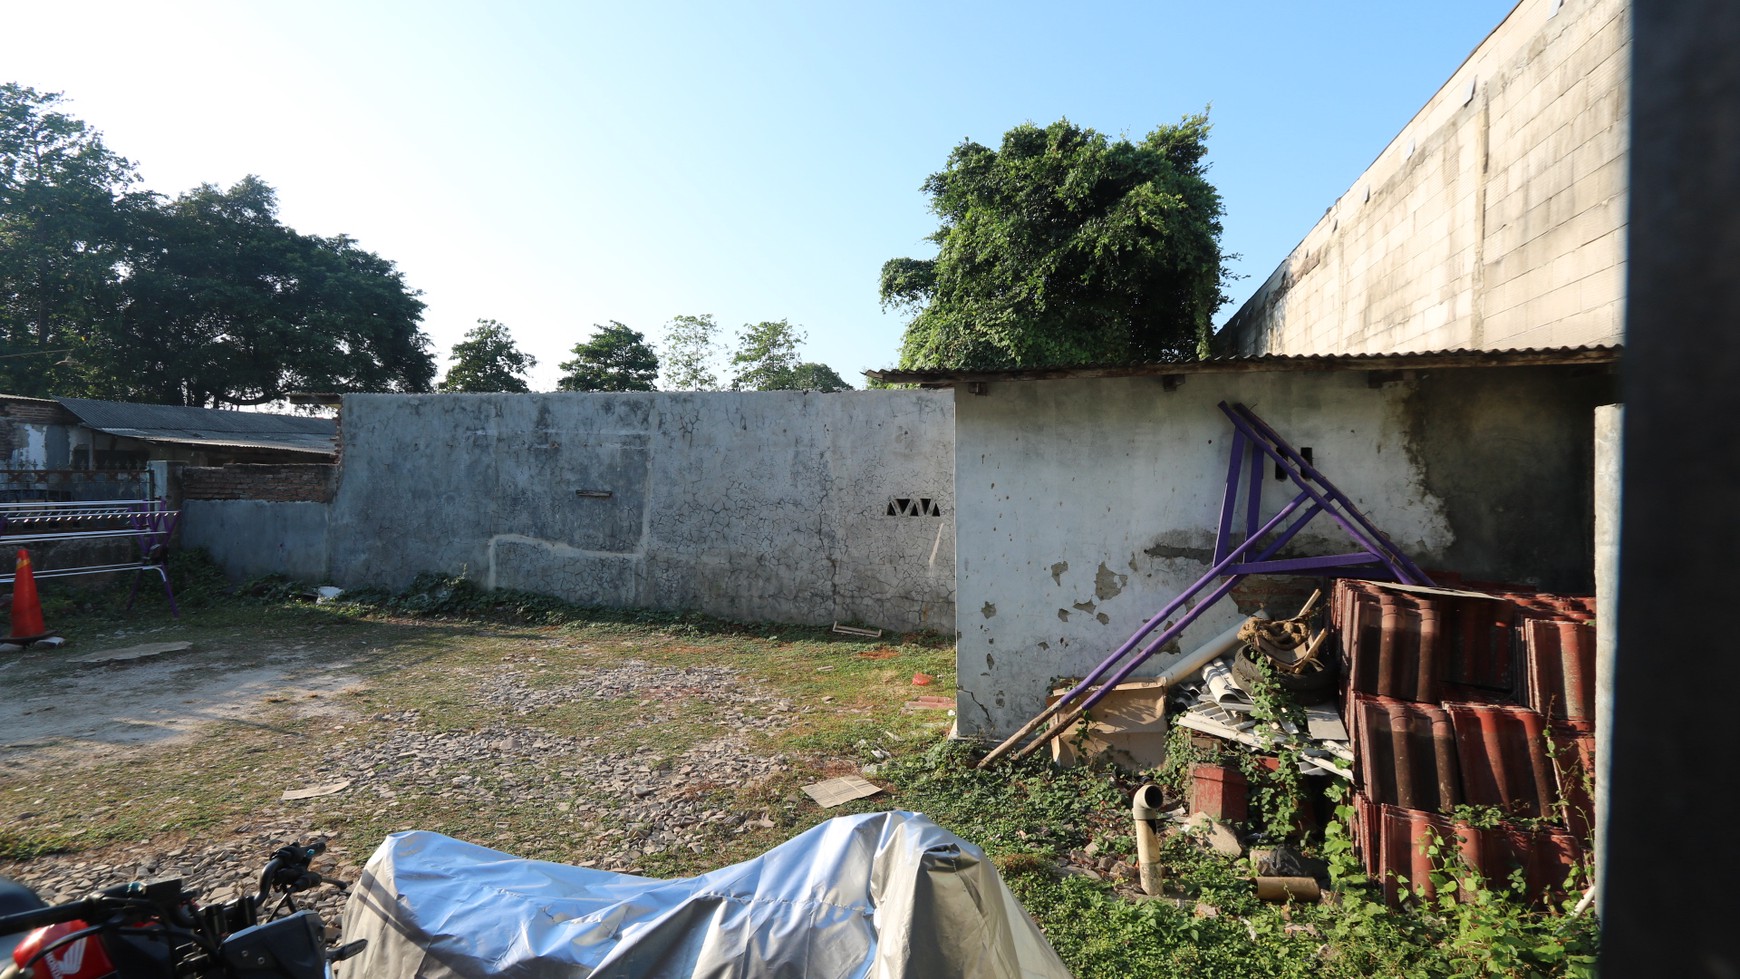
[204, 299]
[488, 361]
[766, 359]
[1065, 248]
[616, 358]
[689, 346]
[226, 306]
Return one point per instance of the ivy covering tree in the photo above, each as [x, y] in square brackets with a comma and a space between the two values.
[1065, 248]
[204, 299]
[616, 358]
[766, 359]
[487, 361]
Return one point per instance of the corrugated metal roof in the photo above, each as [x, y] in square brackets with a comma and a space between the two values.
[1422, 360]
[182, 425]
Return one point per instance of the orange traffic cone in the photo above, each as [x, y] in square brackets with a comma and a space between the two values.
[27, 625]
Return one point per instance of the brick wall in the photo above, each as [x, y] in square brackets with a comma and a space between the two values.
[280, 483]
[1494, 220]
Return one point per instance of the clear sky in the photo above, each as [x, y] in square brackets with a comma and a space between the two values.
[555, 165]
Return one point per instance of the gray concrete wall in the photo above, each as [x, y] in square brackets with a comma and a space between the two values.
[1495, 219]
[755, 505]
[250, 538]
[1086, 505]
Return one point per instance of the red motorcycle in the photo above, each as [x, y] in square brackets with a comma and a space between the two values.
[158, 930]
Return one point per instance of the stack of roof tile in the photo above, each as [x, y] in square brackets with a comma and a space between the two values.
[1468, 699]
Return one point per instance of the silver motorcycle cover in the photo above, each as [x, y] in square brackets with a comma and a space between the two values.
[887, 894]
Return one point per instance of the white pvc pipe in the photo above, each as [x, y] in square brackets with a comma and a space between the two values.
[1210, 651]
[1144, 808]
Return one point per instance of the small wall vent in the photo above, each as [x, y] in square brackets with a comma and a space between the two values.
[913, 506]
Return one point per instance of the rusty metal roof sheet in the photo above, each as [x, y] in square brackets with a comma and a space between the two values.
[212, 427]
[1587, 356]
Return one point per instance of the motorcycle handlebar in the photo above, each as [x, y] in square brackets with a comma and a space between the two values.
[82, 910]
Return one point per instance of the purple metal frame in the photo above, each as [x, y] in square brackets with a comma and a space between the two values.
[156, 527]
[1253, 440]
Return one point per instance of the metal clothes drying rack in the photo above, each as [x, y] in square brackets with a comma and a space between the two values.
[148, 523]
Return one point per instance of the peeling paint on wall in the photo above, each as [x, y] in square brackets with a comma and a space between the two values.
[1108, 584]
[1057, 571]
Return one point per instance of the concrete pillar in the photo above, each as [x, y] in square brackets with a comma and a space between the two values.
[1670, 904]
[1608, 422]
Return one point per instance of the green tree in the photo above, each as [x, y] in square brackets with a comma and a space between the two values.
[809, 376]
[1065, 248]
[64, 212]
[205, 299]
[224, 305]
[689, 350]
[616, 358]
[487, 360]
[766, 359]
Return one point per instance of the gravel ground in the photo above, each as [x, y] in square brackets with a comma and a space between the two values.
[622, 805]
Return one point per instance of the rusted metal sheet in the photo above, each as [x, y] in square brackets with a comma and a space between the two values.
[1503, 754]
[1561, 669]
[1407, 753]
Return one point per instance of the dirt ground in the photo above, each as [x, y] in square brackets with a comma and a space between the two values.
[621, 747]
[58, 707]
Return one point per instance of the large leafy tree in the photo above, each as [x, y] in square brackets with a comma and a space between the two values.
[206, 299]
[224, 305]
[689, 351]
[487, 360]
[65, 200]
[1064, 247]
[615, 358]
[766, 359]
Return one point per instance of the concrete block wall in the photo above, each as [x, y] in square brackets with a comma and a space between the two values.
[311, 483]
[1494, 220]
[750, 506]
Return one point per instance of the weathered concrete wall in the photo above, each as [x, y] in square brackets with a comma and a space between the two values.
[765, 505]
[1085, 505]
[1495, 219]
[249, 538]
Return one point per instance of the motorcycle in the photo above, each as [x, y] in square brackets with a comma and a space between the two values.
[159, 930]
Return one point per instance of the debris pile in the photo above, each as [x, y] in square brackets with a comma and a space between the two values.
[1222, 706]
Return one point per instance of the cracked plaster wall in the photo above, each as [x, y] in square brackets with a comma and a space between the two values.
[752, 505]
[1087, 504]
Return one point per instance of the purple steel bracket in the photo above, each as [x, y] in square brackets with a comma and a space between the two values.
[155, 530]
[1377, 557]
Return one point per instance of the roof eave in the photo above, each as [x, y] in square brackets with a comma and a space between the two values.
[1277, 363]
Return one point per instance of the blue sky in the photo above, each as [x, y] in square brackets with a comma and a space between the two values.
[555, 165]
